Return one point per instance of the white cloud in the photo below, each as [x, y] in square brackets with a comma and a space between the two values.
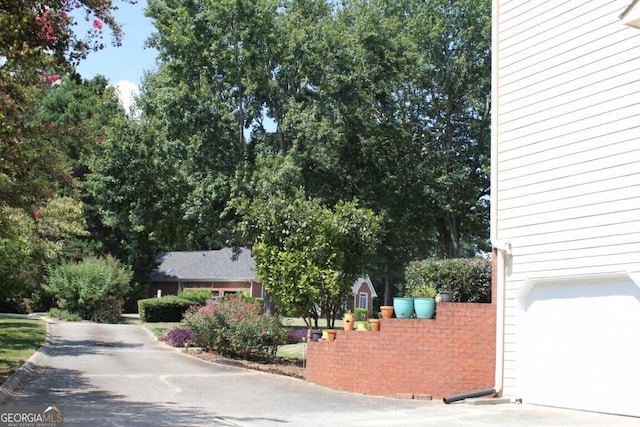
[127, 92]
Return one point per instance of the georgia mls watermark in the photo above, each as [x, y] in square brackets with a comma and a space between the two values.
[30, 416]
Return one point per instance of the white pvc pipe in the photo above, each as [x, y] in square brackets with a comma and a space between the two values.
[504, 248]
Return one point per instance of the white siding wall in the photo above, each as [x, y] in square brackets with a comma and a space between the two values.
[568, 132]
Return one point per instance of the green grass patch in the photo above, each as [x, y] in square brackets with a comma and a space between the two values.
[292, 351]
[298, 322]
[19, 339]
[130, 319]
[159, 328]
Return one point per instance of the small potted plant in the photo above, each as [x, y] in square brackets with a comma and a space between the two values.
[347, 320]
[444, 295]
[361, 319]
[374, 323]
[386, 311]
[424, 301]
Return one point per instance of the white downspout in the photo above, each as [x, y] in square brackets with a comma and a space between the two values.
[503, 247]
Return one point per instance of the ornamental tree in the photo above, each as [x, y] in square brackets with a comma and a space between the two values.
[38, 43]
[308, 255]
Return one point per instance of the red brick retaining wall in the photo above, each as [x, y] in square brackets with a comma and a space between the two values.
[453, 353]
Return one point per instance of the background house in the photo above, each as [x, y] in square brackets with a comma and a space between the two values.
[566, 202]
[362, 295]
[212, 270]
[223, 274]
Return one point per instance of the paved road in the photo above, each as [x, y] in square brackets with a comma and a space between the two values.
[119, 375]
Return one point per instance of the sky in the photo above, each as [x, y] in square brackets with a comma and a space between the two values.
[124, 66]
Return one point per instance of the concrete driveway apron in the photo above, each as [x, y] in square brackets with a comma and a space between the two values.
[120, 375]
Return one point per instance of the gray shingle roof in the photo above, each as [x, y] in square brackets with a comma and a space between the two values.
[217, 265]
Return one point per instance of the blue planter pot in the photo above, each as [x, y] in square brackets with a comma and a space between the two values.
[425, 307]
[403, 307]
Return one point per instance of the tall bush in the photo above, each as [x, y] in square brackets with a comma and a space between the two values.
[236, 327]
[94, 288]
[468, 278]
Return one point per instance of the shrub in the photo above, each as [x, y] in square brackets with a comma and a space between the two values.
[423, 291]
[468, 278]
[169, 308]
[108, 310]
[361, 314]
[197, 296]
[236, 327]
[179, 337]
[56, 313]
[295, 335]
[94, 288]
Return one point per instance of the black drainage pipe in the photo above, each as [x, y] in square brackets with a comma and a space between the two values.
[468, 395]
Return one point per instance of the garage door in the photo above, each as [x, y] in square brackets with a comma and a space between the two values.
[579, 345]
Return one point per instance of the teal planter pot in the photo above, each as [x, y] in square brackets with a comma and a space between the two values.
[403, 307]
[425, 307]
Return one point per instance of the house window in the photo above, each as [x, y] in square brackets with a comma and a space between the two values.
[363, 300]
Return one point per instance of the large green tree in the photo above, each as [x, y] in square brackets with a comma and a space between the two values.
[385, 101]
[422, 72]
[209, 93]
[134, 189]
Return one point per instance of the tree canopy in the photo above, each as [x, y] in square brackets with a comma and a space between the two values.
[41, 209]
[342, 125]
[385, 101]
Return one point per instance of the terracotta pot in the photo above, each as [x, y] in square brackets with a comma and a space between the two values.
[387, 311]
[331, 335]
[375, 324]
[347, 321]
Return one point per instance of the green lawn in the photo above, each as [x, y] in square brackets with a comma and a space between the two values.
[292, 351]
[299, 323]
[19, 339]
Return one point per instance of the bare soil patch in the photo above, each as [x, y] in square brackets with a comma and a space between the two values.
[279, 366]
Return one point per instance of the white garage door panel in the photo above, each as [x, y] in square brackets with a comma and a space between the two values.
[579, 346]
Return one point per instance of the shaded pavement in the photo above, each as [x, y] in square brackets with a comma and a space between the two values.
[120, 375]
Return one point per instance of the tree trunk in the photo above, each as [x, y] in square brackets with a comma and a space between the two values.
[448, 237]
[387, 290]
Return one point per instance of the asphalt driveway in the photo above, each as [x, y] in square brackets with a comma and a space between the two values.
[120, 375]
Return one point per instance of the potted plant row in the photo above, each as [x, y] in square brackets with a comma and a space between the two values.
[420, 299]
[359, 321]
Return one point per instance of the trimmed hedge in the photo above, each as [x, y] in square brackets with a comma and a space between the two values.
[169, 308]
[196, 296]
[468, 278]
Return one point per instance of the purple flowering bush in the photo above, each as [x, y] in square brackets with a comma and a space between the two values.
[179, 337]
[295, 335]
